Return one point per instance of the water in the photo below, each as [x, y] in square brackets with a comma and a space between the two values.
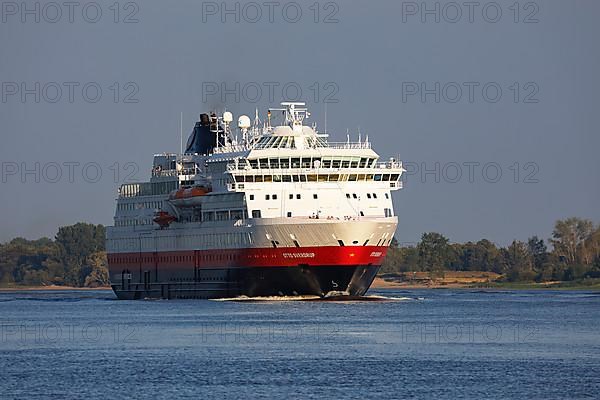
[444, 344]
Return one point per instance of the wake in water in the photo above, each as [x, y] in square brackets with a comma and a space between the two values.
[335, 298]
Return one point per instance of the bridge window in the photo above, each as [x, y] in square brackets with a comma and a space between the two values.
[305, 162]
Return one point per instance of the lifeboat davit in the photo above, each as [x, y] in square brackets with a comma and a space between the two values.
[163, 219]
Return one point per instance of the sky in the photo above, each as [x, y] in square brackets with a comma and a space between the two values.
[492, 107]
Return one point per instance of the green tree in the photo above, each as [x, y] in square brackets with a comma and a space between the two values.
[98, 275]
[76, 243]
[517, 263]
[400, 259]
[480, 256]
[434, 252]
[569, 237]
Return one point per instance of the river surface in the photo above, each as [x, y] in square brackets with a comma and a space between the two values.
[442, 344]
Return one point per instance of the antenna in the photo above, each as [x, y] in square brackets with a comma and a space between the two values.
[181, 132]
[325, 117]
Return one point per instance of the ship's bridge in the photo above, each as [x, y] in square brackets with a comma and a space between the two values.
[284, 137]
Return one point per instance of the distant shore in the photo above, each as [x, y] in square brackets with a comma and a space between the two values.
[449, 283]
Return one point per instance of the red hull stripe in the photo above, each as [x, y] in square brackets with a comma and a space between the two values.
[252, 257]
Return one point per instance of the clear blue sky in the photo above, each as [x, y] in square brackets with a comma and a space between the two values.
[369, 56]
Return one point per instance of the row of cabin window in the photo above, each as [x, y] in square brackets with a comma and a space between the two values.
[206, 216]
[133, 222]
[291, 196]
[317, 178]
[144, 204]
[369, 195]
[202, 257]
[223, 240]
[309, 162]
[147, 188]
[225, 215]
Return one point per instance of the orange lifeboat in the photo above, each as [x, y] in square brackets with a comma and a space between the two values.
[189, 197]
[189, 192]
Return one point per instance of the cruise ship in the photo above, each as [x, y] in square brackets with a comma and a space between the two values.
[266, 208]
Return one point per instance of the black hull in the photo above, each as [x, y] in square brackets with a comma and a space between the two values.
[253, 282]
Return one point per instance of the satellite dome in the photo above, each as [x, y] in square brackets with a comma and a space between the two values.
[227, 117]
[244, 122]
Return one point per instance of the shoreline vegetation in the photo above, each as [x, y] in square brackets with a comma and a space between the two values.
[76, 259]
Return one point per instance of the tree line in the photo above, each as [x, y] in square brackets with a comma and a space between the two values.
[575, 254]
[75, 257]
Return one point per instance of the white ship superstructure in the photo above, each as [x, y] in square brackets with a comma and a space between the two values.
[264, 210]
